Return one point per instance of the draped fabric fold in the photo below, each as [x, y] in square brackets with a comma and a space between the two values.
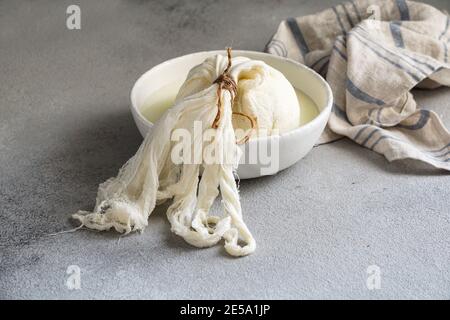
[372, 53]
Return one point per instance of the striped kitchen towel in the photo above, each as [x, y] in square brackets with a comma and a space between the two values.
[373, 52]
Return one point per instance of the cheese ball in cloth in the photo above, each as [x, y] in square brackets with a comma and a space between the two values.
[219, 96]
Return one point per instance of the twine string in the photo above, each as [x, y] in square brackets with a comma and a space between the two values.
[226, 82]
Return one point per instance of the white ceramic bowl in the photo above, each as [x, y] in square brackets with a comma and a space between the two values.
[292, 145]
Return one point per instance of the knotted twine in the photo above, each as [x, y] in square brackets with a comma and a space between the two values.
[226, 82]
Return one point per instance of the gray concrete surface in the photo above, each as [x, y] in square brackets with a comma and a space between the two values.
[65, 127]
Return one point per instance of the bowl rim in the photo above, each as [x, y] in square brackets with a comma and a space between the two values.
[324, 113]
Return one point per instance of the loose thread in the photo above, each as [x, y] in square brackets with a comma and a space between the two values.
[65, 231]
[252, 123]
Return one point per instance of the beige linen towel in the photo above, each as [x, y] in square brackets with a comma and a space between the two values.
[373, 53]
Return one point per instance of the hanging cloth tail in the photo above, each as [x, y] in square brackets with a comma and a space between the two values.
[126, 201]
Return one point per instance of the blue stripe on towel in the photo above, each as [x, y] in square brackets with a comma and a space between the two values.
[340, 113]
[445, 52]
[339, 20]
[429, 66]
[394, 63]
[347, 15]
[341, 40]
[447, 24]
[403, 8]
[360, 131]
[356, 10]
[425, 153]
[361, 95]
[395, 27]
[298, 36]
[442, 155]
[396, 32]
[394, 54]
[424, 117]
[318, 61]
[382, 137]
[277, 46]
[343, 56]
[369, 136]
[324, 69]
[385, 136]
[404, 54]
[441, 149]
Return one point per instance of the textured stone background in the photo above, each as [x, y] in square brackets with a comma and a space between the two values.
[65, 126]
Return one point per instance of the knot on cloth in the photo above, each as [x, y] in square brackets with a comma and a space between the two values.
[226, 82]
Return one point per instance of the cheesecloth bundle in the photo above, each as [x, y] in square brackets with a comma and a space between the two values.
[261, 101]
